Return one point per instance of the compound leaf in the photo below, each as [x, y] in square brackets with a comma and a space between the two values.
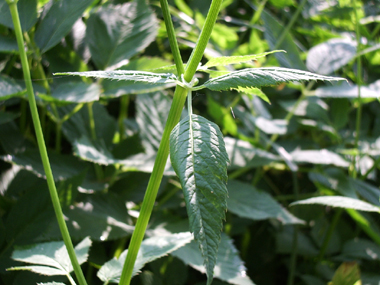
[266, 76]
[199, 158]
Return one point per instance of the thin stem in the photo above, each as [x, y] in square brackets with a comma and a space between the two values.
[123, 113]
[163, 151]
[329, 234]
[359, 81]
[172, 38]
[41, 145]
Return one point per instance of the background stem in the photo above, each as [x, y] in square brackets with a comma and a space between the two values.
[41, 145]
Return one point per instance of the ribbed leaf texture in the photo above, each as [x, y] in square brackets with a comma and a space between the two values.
[127, 75]
[199, 158]
[257, 77]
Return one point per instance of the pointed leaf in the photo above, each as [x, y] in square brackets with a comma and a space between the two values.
[339, 202]
[151, 249]
[246, 201]
[199, 158]
[225, 60]
[115, 33]
[229, 266]
[257, 77]
[58, 21]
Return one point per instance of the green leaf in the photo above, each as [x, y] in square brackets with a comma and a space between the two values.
[361, 249]
[199, 158]
[347, 274]
[322, 156]
[229, 267]
[225, 60]
[258, 77]
[27, 10]
[349, 91]
[329, 56]
[253, 91]
[158, 79]
[51, 283]
[339, 202]
[9, 88]
[122, 31]
[151, 249]
[74, 92]
[57, 21]
[52, 256]
[6, 117]
[8, 44]
[248, 202]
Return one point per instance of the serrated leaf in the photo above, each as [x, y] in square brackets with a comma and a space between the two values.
[229, 266]
[151, 249]
[246, 201]
[225, 60]
[51, 256]
[128, 75]
[121, 30]
[57, 21]
[199, 158]
[253, 91]
[339, 202]
[266, 76]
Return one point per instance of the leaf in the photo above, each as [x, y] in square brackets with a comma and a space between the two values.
[248, 202]
[8, 44]
[322, 156]
[199, 158]
[243, 154]
[361, 249]
[57, 21]
[339, 202]
[253, 91]
[225, 60]
[229, 266]
[346, 90]
[258, 77]
[6, 117]
[52, 256]
[329, 56]
[150, 249]
[348, 273]
[27, 10]
[122, 31]
[51, 283]
[74, 92]
[9, 88]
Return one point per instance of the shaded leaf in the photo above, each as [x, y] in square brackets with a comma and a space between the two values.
[57, 21]
[329, 56]
[8, 44]
[6, 117]
[225, 60]
[266, 76]
[27, 10]
[339, 202]
[229, 267]
[9, 88]
[248, 202]
[74, 92]
[121, 30]
[199, 158]
[346, 90]
[52, 256]
[361, 249]
[253, 91]
[150, 249]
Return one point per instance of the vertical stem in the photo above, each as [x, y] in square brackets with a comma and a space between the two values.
[189, 103]
[41, 144]
[163, 151]
[123, 113]
[359, 81]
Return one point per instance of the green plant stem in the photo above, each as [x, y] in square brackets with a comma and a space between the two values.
[290, 24]
[41, 145]
[163, 151]
[172, 38]
[364, 225]
[123, 113]
[329, 234]
[359, 81]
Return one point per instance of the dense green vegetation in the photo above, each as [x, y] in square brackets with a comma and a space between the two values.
[269, 109]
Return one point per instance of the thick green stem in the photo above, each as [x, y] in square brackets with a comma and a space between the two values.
[41, 144]
[163, 151]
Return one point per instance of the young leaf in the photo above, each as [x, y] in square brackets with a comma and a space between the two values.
[151, 249]
[339, 202]
[199, 158]
[128, 75]
[225, 60]
[257, 77]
